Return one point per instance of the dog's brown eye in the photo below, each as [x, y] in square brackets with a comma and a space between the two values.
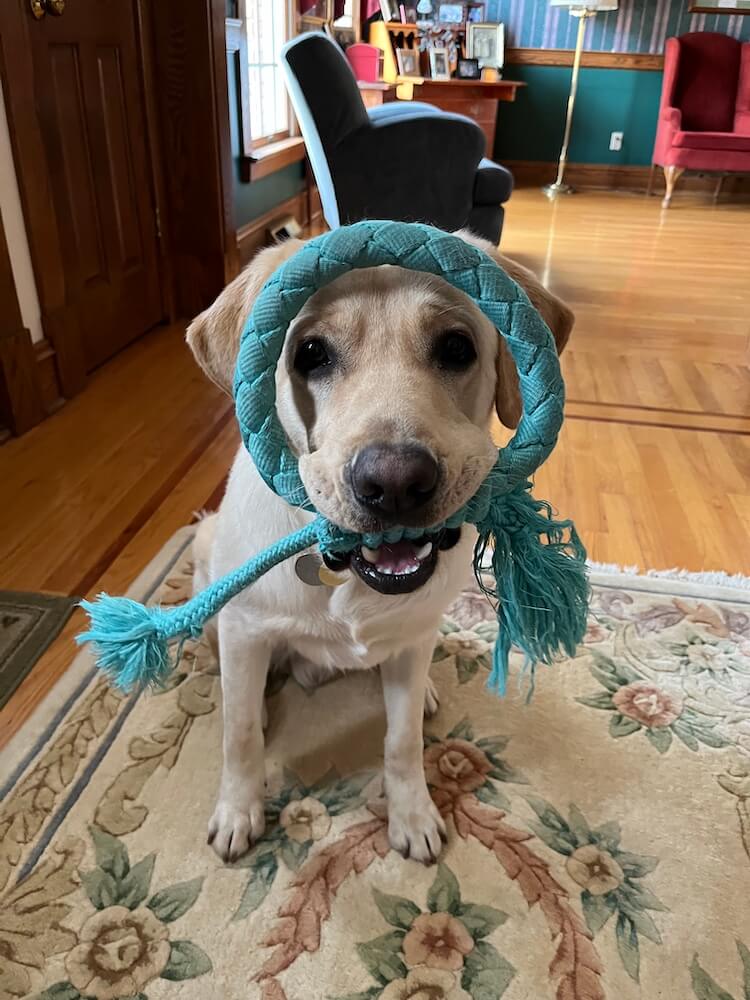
[311, 356]
[454, 351]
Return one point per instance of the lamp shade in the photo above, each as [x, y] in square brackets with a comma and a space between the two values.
[590, 5]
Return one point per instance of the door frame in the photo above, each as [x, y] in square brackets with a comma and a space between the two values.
[184, 73]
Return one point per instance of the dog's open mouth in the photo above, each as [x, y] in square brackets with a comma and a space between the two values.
[397, 567]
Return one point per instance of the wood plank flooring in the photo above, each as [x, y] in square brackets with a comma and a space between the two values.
[653, 463]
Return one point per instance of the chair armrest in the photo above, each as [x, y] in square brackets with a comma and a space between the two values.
[395, 109]
[672, 117]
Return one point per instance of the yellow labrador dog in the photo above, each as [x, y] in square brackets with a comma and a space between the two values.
[386, 387]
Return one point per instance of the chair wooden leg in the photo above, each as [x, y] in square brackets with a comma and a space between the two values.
[671, 176]
[650, 188]
[717, 189]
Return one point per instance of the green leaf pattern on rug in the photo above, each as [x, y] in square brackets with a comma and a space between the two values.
[608, 877]
[301, 816]
[705, 986]
[123, 946]
[440, 952]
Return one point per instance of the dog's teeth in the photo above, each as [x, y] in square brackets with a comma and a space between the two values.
[410, 569]
[385, 570]
[371, 555]
[424, 551]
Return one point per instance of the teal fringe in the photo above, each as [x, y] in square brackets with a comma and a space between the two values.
[540, 587]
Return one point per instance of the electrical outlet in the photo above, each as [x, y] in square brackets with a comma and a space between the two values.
[615, 141]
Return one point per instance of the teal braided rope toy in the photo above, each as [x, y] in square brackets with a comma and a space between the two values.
[540, 587]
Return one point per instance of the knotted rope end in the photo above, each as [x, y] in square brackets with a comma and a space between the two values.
[129, 644]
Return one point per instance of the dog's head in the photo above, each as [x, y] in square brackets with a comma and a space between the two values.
[385, 388]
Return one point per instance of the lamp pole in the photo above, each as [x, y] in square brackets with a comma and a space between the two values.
[559, 187]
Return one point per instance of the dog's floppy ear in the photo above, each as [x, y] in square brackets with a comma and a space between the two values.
[558, 317]
[214, 336]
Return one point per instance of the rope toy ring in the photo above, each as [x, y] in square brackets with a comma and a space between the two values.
[540, 586]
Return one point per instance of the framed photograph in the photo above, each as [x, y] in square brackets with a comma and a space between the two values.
[468, 69]
[475, 12]
[439, 64]
[390, 10]
[451, 13]
[486, 43]
[408, 62]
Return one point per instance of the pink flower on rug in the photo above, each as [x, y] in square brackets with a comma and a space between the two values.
[119, 951]
[456, 766]
[425, 984]
[438, 941]
[647, 704]
[594, 870]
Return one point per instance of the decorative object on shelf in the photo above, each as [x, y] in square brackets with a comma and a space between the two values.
[451, 13]
[468, 69]
[365, 61]
[490, 74]
[408, 62]
[390, 10]
[475, 11]
[486, 42]
[424, 9]
[439, 64]
[583, 11]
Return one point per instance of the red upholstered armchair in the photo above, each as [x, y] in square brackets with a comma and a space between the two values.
[704, 117]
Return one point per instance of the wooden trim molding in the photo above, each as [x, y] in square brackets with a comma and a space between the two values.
[236, 44]
[532, 173]
[277, 155]
[253, 236]
[20, 397]
[591, 60]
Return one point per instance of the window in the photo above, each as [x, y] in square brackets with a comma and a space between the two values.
[266, 33]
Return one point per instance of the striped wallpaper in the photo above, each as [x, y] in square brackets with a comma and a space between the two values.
[638, 25]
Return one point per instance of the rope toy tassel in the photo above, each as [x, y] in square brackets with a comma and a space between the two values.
[131, 640]
[540, 585]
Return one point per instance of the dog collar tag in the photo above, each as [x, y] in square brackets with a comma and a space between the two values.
[311, 570]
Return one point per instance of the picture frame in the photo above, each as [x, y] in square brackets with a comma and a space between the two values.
[475, 12]
[719, 7]
[390, 11]
[485, 42]
[468, 69]
[451, 13]
[439, 64]
[408, 62]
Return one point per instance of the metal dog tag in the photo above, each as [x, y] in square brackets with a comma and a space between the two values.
[313, 571]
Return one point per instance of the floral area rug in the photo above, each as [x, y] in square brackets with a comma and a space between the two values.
[599, 837]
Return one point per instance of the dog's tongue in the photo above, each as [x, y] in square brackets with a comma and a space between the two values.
[394, 557]
[398, 557]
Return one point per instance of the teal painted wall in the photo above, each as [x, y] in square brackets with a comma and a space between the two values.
[609, 100]
[257, 197]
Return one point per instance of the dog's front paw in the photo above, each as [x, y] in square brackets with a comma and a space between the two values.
[234, 828]
[416, 829]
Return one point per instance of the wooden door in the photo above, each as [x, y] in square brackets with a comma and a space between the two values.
[89, 102]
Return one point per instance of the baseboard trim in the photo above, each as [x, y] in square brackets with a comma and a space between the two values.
[589, 60]
[48, 379]
[531, 173]
[253, 236]
[20, 400]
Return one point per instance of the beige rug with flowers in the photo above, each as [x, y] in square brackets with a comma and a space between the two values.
[599, 838]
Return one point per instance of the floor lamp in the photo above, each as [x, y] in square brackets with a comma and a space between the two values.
[583, 10]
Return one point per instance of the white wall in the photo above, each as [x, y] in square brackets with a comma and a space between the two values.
[15, 233]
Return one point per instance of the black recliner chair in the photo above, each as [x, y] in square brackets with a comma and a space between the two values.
[405, 161]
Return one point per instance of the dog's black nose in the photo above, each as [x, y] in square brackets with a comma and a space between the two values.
[394, 479]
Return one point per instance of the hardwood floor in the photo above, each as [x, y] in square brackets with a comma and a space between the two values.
[653, 462]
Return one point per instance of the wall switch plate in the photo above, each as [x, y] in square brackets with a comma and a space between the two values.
[615, 141]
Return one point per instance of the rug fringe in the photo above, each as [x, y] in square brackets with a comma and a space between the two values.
[714, 578]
